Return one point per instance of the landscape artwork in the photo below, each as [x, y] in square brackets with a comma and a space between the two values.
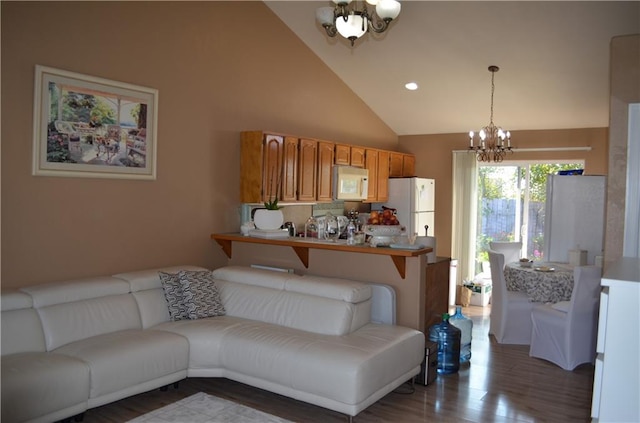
[86, 126]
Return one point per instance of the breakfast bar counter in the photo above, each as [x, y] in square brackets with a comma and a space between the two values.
[404, 269]
[301, 247]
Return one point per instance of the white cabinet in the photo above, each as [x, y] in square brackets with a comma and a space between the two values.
[616, 385]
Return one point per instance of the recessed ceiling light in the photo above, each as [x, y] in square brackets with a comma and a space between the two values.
[411, 86]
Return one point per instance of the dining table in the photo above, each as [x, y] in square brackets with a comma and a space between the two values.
[542, 282]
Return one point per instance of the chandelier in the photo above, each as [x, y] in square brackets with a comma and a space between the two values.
[493, 142]
[352, 23]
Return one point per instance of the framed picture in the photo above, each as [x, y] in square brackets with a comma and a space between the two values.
[92, 127]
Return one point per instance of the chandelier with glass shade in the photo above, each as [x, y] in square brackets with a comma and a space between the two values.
[493, 143]
[345, 18]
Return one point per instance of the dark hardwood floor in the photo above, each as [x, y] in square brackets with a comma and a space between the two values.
[501, 384]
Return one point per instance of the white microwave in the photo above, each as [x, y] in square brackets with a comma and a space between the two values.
[350, 183]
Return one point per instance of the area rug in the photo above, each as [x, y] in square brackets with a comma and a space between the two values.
[201, 408]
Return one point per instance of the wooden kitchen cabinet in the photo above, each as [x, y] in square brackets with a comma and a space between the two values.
[383, 176]
[349, 155]
[260, 165]
[371, 163]
[408, 165]
[357, 156]
[377, 162]
[401, 165]
[307, 174]
[325, 170]
[302, 169]
[436, 293]
[290, 169]
[342, 155]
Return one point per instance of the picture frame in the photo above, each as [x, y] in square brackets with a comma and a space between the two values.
[90, 127]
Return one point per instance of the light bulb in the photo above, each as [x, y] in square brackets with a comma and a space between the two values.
[354, 27]
[388, 9]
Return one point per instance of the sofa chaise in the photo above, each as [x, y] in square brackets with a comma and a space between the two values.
[75, 345]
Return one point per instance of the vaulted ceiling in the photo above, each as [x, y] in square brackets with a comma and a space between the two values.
[553, 58]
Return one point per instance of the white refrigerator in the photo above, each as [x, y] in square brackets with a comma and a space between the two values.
[574, 216]
[414, 201]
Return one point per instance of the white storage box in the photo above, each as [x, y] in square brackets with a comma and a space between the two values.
[480, 295]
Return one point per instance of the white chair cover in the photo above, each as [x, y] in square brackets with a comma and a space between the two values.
[510, 310]
[511, 250]
[568, 339]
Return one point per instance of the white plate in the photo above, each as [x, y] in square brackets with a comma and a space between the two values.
[544, 269]
[407, 246]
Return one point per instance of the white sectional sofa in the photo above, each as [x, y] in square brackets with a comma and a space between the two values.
[71, 346]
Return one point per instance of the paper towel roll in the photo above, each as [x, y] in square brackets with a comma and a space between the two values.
[578, 257]
[428, 241]
[599, 261]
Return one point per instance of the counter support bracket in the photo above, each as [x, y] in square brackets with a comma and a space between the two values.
[303, 255]
[401, 265]
[226, 246]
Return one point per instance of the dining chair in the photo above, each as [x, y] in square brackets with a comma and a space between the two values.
[565, 333]
[510, 320]
[511, 250]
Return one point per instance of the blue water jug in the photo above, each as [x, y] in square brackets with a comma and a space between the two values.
[465, 325]
[447, 337]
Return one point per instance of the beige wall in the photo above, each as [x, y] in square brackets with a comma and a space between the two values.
[434, 160]
[220, 68]
[625, 89]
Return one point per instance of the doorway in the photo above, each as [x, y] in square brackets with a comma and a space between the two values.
[511, 200]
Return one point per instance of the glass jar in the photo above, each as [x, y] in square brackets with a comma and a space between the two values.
[331, 227]
[311, 228]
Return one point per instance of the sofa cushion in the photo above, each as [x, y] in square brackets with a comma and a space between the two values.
[201, 297]
[339, 289]
[142, 280]
[21, 328]
[75, 290]
[174, 295]
[15, 300]
[252, 276]
[146, 287]
[78, 320]
[43, 386]
[347, 369]
[291, 309]
[205, 336]
[128, 358]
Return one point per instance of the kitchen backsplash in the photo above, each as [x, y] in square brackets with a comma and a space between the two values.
[336, 208]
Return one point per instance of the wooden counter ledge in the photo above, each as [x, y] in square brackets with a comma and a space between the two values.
[301, 247]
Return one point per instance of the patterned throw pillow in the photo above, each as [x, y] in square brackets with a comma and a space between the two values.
[173, 294]
[201, 296]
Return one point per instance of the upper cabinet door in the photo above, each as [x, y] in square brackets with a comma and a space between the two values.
[408, 165]
[342, 155]
[383, 176]
[357, 156]
[371, 163]
[401, 165]
[395, 165]
[325, 169]
[272, 173]
[307, 173]
[290, 169]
